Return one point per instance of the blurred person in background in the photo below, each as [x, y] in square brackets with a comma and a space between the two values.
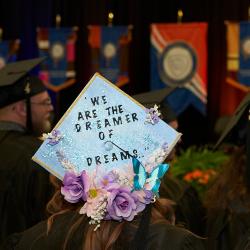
[228, 199]
[25, 110]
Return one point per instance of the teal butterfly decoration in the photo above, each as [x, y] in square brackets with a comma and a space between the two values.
[152, 179]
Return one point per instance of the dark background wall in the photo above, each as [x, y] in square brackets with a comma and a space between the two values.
[19, 19]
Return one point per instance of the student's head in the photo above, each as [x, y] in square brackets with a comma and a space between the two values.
[233, 183]
[23, 97]
[110, 232]
[41, 109]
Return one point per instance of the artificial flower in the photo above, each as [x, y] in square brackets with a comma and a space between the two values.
[75, 187]
[54, 137]
[153, 115]
[123, 204]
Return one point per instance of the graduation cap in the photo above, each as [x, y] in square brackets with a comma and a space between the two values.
[16, 84]
[236, 128]
[101, 113]
[158, 97]
[237, 131]
[107, 138]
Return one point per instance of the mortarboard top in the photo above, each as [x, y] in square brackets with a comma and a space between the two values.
[149, 99]
[103, 127]
[153, 97]
[13, 81]
[237, 122]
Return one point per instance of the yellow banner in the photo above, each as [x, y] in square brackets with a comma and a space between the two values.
[232, 35]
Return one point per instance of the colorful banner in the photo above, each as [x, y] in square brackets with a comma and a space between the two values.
[8, 51]
[232, 35]
[179, 59]
[232, 88]
[110, 52]
[244, 70]
[58, 46]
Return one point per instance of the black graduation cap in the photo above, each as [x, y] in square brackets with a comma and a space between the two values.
[16, 84]
[236, 128]
[238, 131]
[149, 99]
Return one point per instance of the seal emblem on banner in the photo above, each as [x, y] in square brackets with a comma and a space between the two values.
[245, 45]
[57, 51]
[109, 52]
[177, 64]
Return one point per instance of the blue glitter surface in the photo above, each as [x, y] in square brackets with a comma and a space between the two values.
[103, 113]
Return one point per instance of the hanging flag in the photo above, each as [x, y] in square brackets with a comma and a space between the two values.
[110, 52]
[244, 70]
[232, 88]
[58, 46]
[8, 51]
[232, 35]
[179, 59]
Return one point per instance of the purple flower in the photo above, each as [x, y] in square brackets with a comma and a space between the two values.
[165, 146]
[123, 204]
[75, 187]
[153, 115]
[155, 118]
[54, 137]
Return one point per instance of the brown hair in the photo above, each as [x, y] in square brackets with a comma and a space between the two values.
[230, 186]
[110, 233]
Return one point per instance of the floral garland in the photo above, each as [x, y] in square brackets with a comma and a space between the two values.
[109, 197]
[112, 195]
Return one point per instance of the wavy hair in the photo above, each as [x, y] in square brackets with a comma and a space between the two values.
[111, 233]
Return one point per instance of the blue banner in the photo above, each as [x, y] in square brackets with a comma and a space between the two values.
[178, 59]
[8, 52]
[180, 98]
[110, 52]
[244, 69]
[57, 45]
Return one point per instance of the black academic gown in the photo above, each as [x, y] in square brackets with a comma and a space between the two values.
[160, 236]
[228, 229]
[24, 185]
[189, 210]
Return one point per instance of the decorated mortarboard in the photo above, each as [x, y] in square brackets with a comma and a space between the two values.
[15, 82]
[111, 146]
[158, 97]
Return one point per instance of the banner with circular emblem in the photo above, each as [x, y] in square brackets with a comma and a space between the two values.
[233, 89]
[179, 59]
[58, 46]
[110, 52]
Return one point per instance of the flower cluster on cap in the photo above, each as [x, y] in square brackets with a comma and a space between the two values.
[108, 197]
